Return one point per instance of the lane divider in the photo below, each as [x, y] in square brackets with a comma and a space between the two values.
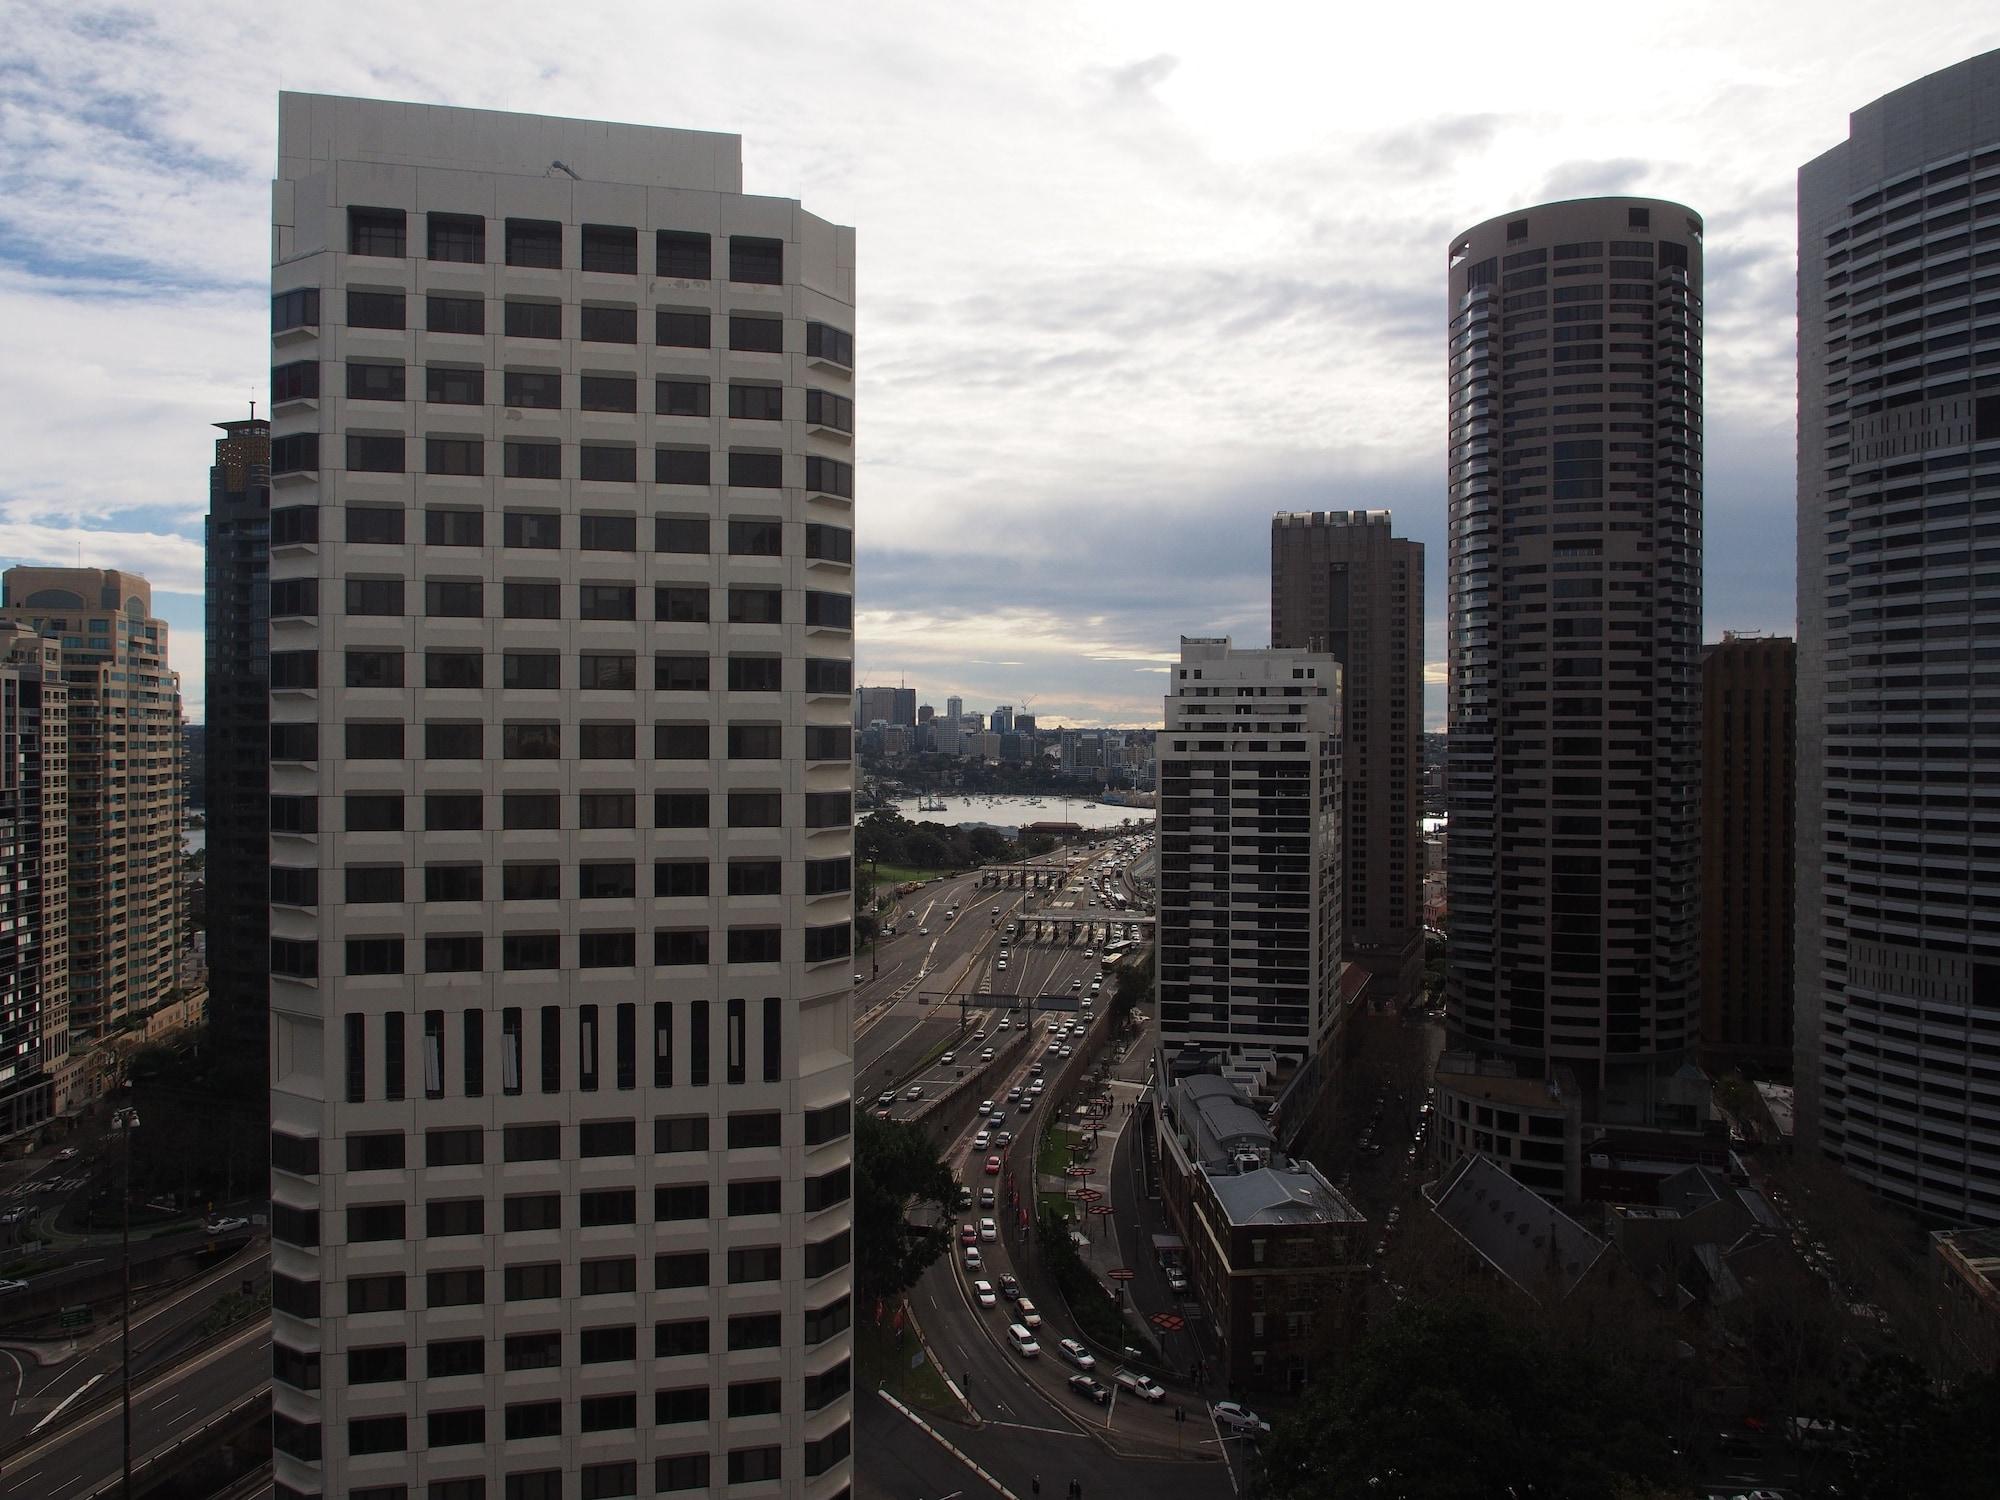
[946, 1443]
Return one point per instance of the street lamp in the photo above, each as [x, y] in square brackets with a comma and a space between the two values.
[125, 1121]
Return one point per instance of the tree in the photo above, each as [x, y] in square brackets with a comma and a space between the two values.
[1912, 1441]
[1448, 1401]
[896, 1167]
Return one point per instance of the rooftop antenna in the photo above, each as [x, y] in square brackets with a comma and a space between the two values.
[253, 408]
[556, 166]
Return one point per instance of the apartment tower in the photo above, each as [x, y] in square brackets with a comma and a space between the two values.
[1575, 617]
[237, 715]
[561, 812]
[34, 894]
[1899, 645]
[1749, 743]
[1342, 584]
[125, 748]
[1249, 907]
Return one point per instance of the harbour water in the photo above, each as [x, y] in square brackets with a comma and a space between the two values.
[1013, 813]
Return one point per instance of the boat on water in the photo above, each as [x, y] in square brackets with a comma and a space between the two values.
[930, 802]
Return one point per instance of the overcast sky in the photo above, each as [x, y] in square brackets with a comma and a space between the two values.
[1132, 277]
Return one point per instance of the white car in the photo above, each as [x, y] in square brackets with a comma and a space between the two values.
[1139, 1385]
[984, 1294]
[973, 1262]
[1233, 1416]
[986, 1106]
[949, 1058]
[226, 1224]
[988, 1231]
[1025, 1311]
[1077, 1355]
[1003, 970]
[981, 1141]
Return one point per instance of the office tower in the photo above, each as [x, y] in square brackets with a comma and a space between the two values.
[1024, 723]
[954, 708]
[892, 705]
[1748, 742]
[34, 899]
[1899, 702]
[1002, 721]
[124, 709]
[1249, 899]
[562, 832]
[1575, 614]
[237, 616]
[926, 715]
[1342, 584]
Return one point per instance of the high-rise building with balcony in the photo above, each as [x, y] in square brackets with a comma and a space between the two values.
[1575, 618]
[124, 712]
[34, 897]
[561, 812]
[1898, 973]
[1343, 584]
[237, 751]
[1249, 907]
[1749, 717]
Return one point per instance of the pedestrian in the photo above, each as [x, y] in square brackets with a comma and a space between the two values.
[1035, 1484]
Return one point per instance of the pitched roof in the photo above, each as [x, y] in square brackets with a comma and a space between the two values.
[1536, 1246]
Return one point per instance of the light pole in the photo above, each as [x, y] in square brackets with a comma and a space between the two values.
[125, 1121]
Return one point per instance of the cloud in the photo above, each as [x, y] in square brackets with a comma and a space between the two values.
[1596, 179]
[1142, 77]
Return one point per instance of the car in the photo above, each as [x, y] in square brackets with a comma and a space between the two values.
[1025, 1311]
[1026, 1104]
[1002, 967]
[979, 1035]
[1090, 1390]
[226, 1223]
[1035, 1089]
[986, 1106]
[923, 932]
[982, 1293]
[1003, 1020]
[972, 1258]
[949, 1058]
[9, 1284]
[988, 1231]
[1063, 1052]
[965, 1196]
[968, 1234]
[1076, 984]
[986, 1055]
[996, 911]
[986, 1197]
[1013, 1095]
[886, 1098]
[914, 1091]
[992, 1166]
[1035, 1072]
[1003, 1139]
[996, 1117]
[1077, 1355]
[1176, 1282]
[1023, 1341]
[1233, 1416]
[1009, 1287]
[1145, 1388]
[68, 1153]
[857, 979]
[981, 1141]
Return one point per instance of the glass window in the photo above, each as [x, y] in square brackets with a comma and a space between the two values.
[458, 237]
[682, 255]
[671, 398]
[534, 242]
[454, 314]
[610, 248]
[680, 330]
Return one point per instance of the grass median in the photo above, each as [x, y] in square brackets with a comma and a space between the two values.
[889, 1360]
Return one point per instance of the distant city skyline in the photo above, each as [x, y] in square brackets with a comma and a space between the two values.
[1076, 438]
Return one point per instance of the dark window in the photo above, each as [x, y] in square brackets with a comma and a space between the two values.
[678, 1134]
[824, 341]
[458, 237]
[452, 669]
[608, 325]
[295, 382]
[450, 812]
[530, 882]
[367, 381]
[680, 330]
[472, 1050]
[829, 476]
[680, 1202]
[608, 393]
[375, 596]
[531, 601]
[822, 1390]
[680, 877]
[299, 309]
[823, 1453]
[449, 1216]
[375, 1151]
[686, 1404]
[758, 1128]
[530, 810]
[374, 309]
[680, 947]
[607, 671]
[831, 1122]
[829, 942]
[532, 388]
[758, 261]
[614, 533]
[447, 741]
[681, 603]
[753, 945]
[530, 950]
[606, 880]
[751, 1198]
[299, 1368]
[604, 1346]
[606, 1138]
[680, 741]
[680, 810]
[370, 1222]
[756, 607]
[756, 877]
[606, 601]
[531, 669]
[376, 231]
[374, 812]
[457, 1429]
[756, 674]
[827, 876]
[530, 1211]
[295, 1226]
[302, 1441]
[757, 403]
[754, 1331]
[534, 242]
[375, 453]
[295, 454]
[613, 1274]
[680, 1471]
[453, 952]
[374, 669]
[680, 1269]
[454, 314]
[454, 1147]
[607, 1206]
[377, 1434]
[367, 1294]
[680, 466]
[541, 1484]
[755, 1398]
[756, 471]
[533, 320]
[601, 461]
[671, 398]
[537, 530]
[454, 882]
[680, 534]
[456, 598]
[450, 385]
[757, 536]
[369, 741]
[294, 960]
[533, 1351]
[756, 742]
[295, 525]
[829, 742]
[829, 543]
[297, 814]
[674, 1340]
[464, 1287]
[296, 1154]
[606, 950]
[827, 1189]
[611, 248]
[756, 810]
[294, 669]
[374, 955]
[829, 809]
[454, 456]
[525, 460]
[531, 1142]
[749, 334]
[298, 1298]
[825, 409]
[534, 1419]
[822, 1323]
[606, 741]
[682, 254]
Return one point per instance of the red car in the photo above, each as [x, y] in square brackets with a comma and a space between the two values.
[992, 1166]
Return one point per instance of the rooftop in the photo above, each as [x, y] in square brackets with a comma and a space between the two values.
[1537, 1247]
[1975, 1255]
[1295, 1193]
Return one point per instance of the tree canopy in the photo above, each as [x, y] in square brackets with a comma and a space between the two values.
[1448, 1401]
[895, 1169]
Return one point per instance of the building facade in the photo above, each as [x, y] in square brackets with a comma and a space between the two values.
[561, 814]
[1749, 721]
[125, 787]
[237, 744]
[34, 878]
[1341, 583]
[1575, 617]
[1249, 907]
[1898, 865]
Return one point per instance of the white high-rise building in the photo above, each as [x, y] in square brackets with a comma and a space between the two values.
[561, 661]
[1897, 1008]
[1250, 866]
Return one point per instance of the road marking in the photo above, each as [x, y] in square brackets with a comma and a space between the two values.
[20, 1379]
[63, 1404]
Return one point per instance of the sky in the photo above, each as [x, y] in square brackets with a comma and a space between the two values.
[1131, 277]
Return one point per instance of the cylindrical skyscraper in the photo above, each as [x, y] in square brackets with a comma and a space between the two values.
[1575, 589]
